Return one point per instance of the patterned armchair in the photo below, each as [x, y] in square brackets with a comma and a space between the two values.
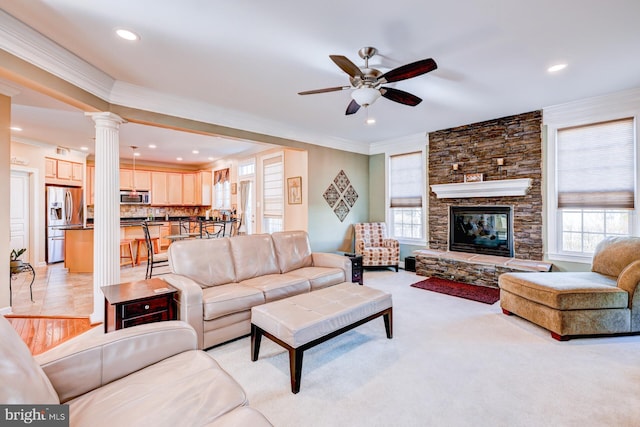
[374, 246]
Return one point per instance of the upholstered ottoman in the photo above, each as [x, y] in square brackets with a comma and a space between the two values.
[300, 322]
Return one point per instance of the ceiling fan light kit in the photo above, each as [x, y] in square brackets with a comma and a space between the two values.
[367, 82]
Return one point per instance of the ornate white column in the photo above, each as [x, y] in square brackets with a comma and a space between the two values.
[106, 209]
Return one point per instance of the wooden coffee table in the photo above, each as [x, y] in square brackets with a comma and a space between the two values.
[135, 303]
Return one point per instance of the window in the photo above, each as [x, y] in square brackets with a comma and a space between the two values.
[272, 194]
[595, 172]
[405, 196]
[222, 189]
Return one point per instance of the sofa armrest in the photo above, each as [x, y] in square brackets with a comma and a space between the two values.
[390, 243]
[94, 358]
[190, 308]
[629, 279]
[325, 259]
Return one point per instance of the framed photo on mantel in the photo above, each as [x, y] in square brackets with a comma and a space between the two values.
[473, 177]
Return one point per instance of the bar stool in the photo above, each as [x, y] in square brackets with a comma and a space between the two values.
[127, 246]
[155, 242]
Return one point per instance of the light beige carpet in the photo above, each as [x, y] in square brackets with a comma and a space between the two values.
[452, 362]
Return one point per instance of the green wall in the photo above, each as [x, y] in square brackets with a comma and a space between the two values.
[326, 232]
[377, 185]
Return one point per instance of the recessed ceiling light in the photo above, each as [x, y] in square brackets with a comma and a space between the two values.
[84, 148]
[211, 158]
[179, 159]
[556, 68]
[127, 34]
[195, 152]
[370, 121]
[152, 146]
[16, 128]
[136, 153]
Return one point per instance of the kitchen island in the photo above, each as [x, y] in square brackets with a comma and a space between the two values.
[78, 248]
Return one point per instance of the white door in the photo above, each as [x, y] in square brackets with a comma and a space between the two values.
[19, 208]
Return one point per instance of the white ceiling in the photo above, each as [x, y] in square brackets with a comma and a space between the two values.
[246, 61]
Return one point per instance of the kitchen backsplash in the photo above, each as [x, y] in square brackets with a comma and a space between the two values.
[136, 211]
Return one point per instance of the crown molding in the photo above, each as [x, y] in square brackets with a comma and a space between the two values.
[597, 108]
[25, 43]
[29, 45]
[133, 96]
[404, 144]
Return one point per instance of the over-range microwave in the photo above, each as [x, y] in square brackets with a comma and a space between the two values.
[129, 197]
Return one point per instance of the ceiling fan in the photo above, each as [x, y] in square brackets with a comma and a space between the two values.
[367, 82]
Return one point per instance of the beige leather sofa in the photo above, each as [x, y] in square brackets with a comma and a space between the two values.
[605, 300]
[148, 375]
[221, 279]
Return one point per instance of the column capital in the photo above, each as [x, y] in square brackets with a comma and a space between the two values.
[106, 118]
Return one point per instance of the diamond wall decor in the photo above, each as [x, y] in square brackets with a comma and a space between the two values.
[340, 195]
[331, 195]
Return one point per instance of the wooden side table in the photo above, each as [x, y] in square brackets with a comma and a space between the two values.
[357, 268]
[135, 303]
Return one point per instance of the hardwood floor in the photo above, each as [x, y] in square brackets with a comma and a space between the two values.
[62, 303]
[42, 333]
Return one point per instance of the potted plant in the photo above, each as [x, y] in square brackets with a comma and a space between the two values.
[16, 262]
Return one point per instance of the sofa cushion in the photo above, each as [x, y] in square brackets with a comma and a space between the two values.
[320, 277]
[206, 261]
[22, 379]
[194, 390]
[253, 256]
[292, 250]
[566, 291]
[613, 254]
[278, 286]
[231, 298]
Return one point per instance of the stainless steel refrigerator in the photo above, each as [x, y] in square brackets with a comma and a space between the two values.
[64, 208]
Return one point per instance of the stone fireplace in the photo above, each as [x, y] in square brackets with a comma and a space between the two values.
[481, 230]
[506, 202]
[475, 148]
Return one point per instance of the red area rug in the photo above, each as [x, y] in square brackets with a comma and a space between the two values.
[457, 289]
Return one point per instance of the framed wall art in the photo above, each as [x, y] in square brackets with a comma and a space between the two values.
[294, 190]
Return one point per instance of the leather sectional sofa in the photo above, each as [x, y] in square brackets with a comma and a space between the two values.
[148, 375]
[219, 280]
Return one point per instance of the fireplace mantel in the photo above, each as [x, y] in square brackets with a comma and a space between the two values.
[496, 188]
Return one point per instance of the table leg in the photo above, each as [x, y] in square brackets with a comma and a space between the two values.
[295, 368]
[256, 337]
[388, 323]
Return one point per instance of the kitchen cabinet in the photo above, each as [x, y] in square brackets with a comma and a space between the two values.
[159, 194]
[76, 172]
[142, 179]
[166, 188]
[204, 183]
[50, 168]
[63, 172]
[174, 188]
[165, 230]
[189, 189]
[91, 185]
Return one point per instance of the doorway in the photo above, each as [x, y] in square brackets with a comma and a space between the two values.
[20, 213]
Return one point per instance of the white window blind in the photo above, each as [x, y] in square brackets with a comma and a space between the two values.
[273, 188]
[405, 189]
[595, 165]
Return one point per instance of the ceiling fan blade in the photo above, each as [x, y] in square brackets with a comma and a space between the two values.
[400, 96]
[352, 108]
[408, 71]
[346, 65]
[328, 89]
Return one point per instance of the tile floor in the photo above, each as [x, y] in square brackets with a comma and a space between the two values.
[56, 292]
